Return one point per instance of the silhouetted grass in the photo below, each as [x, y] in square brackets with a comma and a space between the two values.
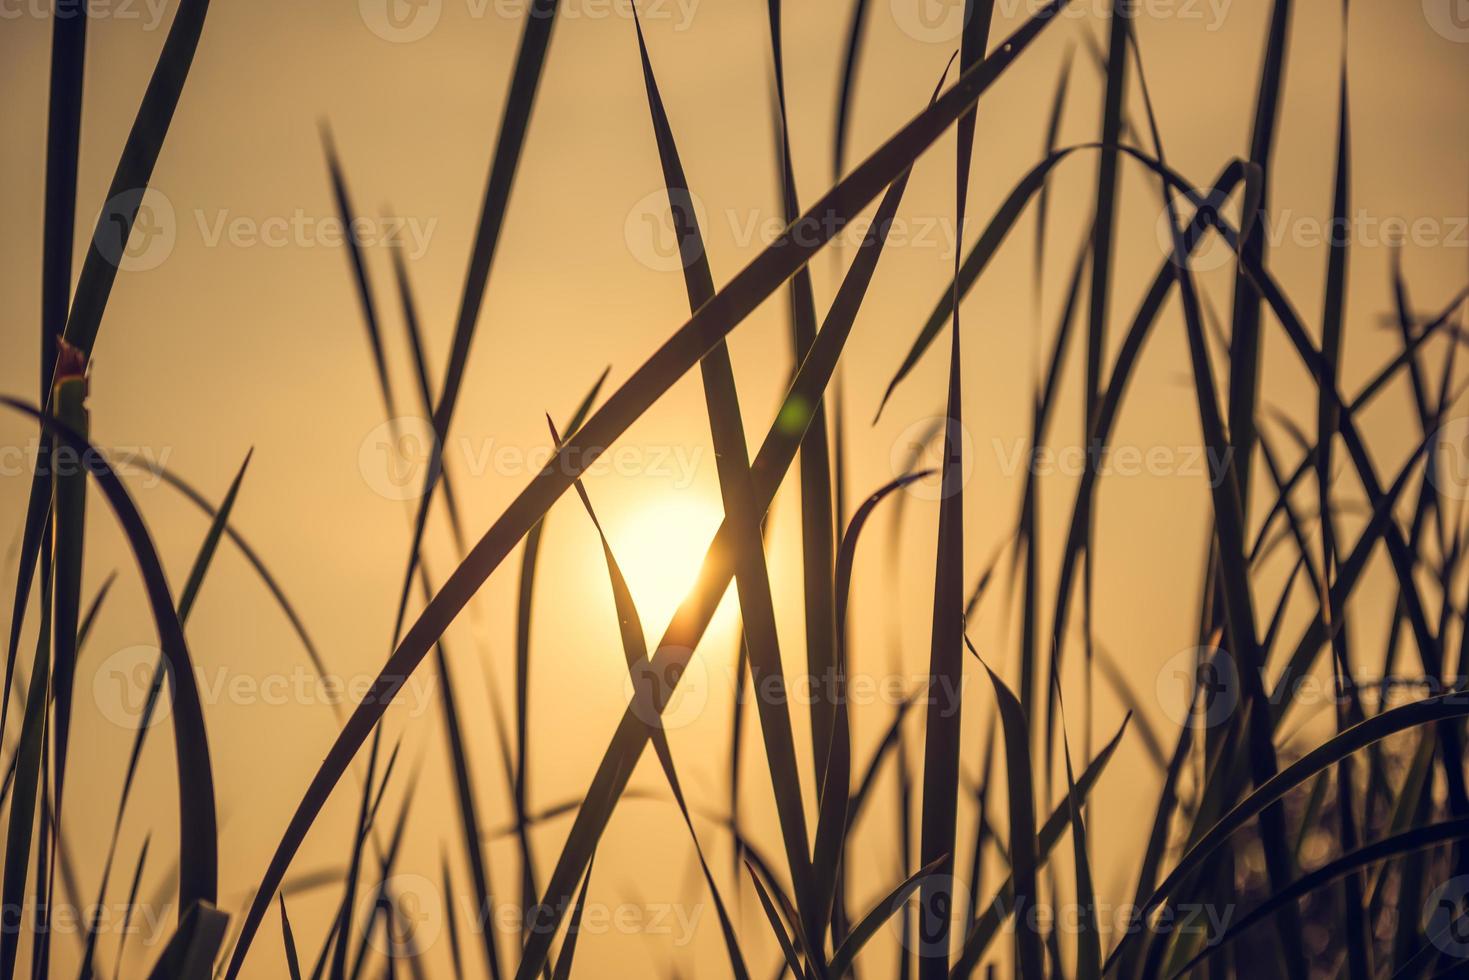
[1386, 789]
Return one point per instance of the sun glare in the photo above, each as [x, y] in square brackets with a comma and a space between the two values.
[660, 546]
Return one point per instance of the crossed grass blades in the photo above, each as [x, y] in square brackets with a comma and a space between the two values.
[1384, 797]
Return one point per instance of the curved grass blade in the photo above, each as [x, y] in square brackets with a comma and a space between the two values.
[1452, 705]
[198, 861]
[868, 925]
[1343, 867]
[190, 592]
[1402, 559]
[832, 821]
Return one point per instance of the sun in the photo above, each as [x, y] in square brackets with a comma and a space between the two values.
[660, 545]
